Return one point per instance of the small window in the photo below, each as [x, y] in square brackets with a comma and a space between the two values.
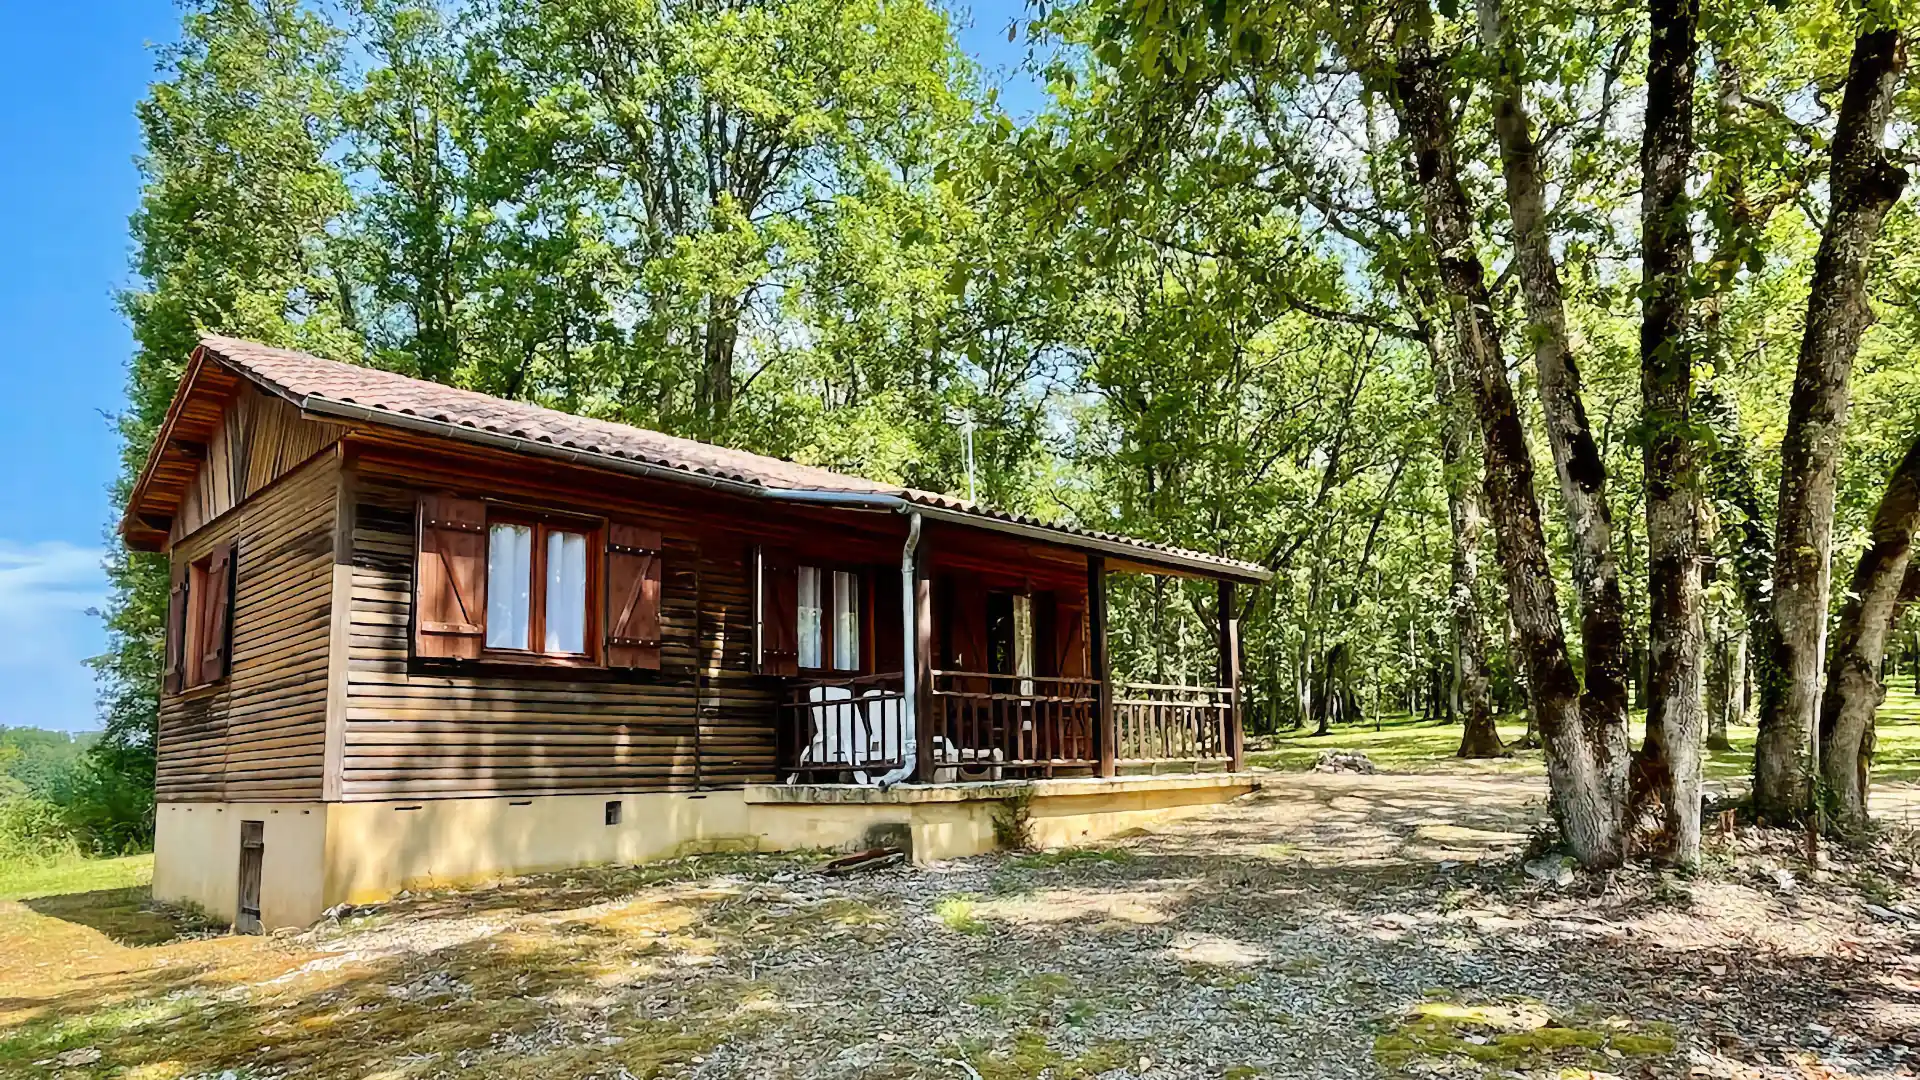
[809, 618]
[538, 585]
[613, 812]
[200, 621]
[846, 621]
[1023, 641]
[827, 621]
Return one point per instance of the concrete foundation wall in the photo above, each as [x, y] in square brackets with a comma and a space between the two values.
[196, 858]
[319, 855]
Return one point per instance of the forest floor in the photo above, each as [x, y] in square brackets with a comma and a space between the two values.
[1328, 926]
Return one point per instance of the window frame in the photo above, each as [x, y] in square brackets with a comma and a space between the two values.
[829, 642]
[193, 626]
[543, 523]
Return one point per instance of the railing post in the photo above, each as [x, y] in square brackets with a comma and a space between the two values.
[1230, 676]
[922, 631]
[1105, 741]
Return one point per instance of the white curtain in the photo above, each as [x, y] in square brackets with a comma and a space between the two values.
[1023, 642]
[509, 586]
[846, 621]
[566, 592]
[809, 605]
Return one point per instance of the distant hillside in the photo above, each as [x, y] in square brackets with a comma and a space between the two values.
[34, 761]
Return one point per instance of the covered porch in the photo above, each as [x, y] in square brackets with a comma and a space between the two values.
[1004, 675]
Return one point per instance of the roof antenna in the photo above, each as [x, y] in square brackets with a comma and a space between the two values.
[965, 420]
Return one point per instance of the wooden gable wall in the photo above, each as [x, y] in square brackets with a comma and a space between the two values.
[260, 733]
[257, 439]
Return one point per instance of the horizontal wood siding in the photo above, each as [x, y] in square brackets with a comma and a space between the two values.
[737, 707]
[260, 734]
[425, 729]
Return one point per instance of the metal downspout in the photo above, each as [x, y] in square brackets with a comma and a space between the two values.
[909, 668]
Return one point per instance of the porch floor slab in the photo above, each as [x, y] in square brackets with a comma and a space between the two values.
[996, 790]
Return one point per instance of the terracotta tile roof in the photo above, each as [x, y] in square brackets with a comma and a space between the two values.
[313, 383]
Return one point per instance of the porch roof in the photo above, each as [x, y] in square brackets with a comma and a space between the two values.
[338, 392]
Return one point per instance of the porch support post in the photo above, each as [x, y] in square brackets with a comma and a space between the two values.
[922, 631]
[1229, 620]
[1105, 736]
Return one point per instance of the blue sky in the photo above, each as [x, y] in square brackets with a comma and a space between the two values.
[70, 75]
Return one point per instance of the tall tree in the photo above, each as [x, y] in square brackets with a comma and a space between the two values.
[231, 234]
[1585, 737]
[1882, 579]
[1576, 455]
[1863, 183]
[1672, 757]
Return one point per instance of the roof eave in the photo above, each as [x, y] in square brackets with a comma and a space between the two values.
[328, 408]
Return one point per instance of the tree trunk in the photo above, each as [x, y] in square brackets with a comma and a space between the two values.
[1576, 456]
[1863, 184]
[1469, 697]
[1586, 748]
[713, 393]
[1727, 697]
[1668, 765]
[1723, 676]
[1854, 690]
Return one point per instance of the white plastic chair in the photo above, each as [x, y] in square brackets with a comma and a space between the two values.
[839, 732]
[886, 725]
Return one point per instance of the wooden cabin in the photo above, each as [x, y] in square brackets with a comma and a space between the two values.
[422, 635]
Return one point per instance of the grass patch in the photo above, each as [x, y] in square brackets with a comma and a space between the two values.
[1073, 856]
[1510, 1035]
[960, 914]
[1030, 1057]
[1408, 744]
[29, 880]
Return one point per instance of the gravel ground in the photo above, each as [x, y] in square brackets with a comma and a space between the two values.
[1329, 926]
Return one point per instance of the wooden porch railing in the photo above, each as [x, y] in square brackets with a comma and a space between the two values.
[1162, 723]
[830, 729]
[992, 723]
[992, 727]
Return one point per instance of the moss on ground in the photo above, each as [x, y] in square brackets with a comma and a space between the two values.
[1509, 1035]
[1029, 1056]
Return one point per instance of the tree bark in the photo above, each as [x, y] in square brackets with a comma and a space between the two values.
[1724, 659]
[1854, 690]
[1668, 765]
[1586, 747]
[1864, 183]
[1472, 703]
[1576, 456]
[713, 394]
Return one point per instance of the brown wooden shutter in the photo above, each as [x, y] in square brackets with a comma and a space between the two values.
[633, 596]
[216, 616]
[174, 677]
[779, 613]
[450, 579]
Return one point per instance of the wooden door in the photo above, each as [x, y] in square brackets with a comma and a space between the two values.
[252, 852]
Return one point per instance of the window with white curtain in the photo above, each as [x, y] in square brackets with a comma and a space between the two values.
[846, 621]
[566, 607]
[540, 579]
[1023, 641]
[509, 586]
[810, 622]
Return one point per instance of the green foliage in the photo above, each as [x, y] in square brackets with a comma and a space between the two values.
[1182, 302]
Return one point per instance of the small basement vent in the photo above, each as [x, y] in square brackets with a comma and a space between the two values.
[613, 812]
